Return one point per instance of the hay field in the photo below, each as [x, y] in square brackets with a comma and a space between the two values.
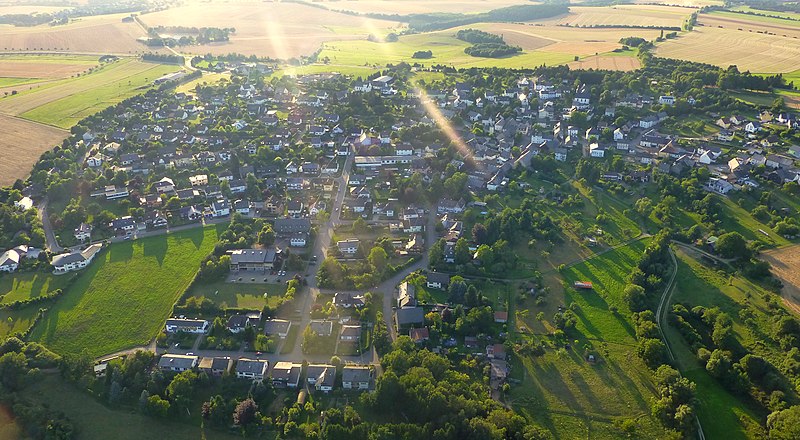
[104, 34]
[599, 62]
[724, 40]
[785, 262]
[627, 15]
[277, 30]
[403, 7]
[44, 66]
[21, 144]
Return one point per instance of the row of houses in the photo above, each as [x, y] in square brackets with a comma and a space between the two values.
[321, 377]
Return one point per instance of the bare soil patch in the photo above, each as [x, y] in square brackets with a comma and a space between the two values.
[21, 144]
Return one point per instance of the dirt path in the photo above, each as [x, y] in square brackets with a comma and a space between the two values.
[785, 264]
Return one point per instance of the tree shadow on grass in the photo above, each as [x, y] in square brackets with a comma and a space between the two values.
[37, 285]
[120, 252]
[156, 247]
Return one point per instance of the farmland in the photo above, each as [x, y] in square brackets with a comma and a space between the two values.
[21, 144]
[785, 262]
[735, 39]
[627, 15]
[555, 387]
[63, 103]
[112, 306]
[419, 6]
[102, 34]
[549, 45]
[277, 30]
[600, 62]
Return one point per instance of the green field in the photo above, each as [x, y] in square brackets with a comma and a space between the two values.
[95, 421]
[124, 297]
[609, 274]
[445, 47]
[721, 414]
[84, 60]
[25, 285]
[7, 82]
[240, 295]
[778, 18]
[114, 86]
[63, 103]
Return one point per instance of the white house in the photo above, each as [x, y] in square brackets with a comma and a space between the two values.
[177, 362]
[185, 325]
[595, 150]
[356, 377]
[666, 100]
[9, 261]
[719, 186]
[75, 260]
[349, 246]
[83, 232]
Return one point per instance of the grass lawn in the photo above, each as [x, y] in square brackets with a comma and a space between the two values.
[95, 421]
[240, 295]
[124, 297]
[720, 414]
[25, 285]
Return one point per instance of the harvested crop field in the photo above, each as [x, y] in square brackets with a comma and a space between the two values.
[785, 262]
[598, 62]
[104, 34]
[563, 39]
[277, 30]
[21, 144]
[627, 15]
[751, 45]
[419, 6]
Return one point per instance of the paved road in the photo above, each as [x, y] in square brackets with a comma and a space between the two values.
[49, 236]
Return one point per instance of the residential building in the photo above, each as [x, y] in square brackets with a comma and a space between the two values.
[277, 327]
[9, 261]
[75, 260]
[438, 280]
[254, 369]
[356, 377]
[177, 362]
[186, 325]
[286, 375]
[253, 260]
[215, 366]
[322, 376]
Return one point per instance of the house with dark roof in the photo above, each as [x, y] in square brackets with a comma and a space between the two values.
[277, 327]
[356, 377]
[286, 375]
[438, 280]
[253, 260]
[177, 362]
[215, 366]
[322, 376]
[254, 369]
